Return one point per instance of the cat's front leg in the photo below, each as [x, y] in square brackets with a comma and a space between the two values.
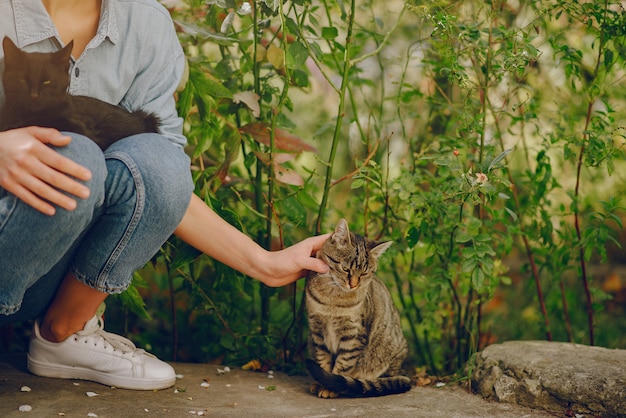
[318, 347]
[350, 351]
[324, 359]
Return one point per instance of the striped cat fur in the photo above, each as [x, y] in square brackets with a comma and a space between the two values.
[355, 338]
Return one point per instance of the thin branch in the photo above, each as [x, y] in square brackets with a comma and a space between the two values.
[355, 172]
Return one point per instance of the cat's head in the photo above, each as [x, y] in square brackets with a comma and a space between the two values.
[34, 78]
[352, 259]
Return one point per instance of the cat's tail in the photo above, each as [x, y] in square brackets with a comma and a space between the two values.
[348, 386]
[151, 122]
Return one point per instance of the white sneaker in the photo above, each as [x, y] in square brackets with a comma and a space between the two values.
[94, 354]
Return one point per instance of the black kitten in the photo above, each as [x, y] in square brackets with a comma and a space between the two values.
[35, 86]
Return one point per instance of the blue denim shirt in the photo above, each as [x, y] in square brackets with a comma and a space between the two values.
[134, 61]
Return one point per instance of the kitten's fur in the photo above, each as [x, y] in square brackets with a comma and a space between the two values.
[35, 86]
[355, 337]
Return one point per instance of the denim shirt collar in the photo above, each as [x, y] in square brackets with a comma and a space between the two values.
[33, 24]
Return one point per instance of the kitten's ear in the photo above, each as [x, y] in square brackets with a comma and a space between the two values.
[66, 52]
[378, 250]
[10, 49]
[64, 55]
[341, 236]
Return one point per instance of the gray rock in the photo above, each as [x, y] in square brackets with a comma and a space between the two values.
[553, 376]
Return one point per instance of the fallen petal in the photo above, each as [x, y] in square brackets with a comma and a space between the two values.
[252, 365]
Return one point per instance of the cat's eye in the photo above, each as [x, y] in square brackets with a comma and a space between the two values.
[22, 80]
[45, 83]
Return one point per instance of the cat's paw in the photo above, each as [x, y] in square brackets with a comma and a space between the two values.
[314, 388]
[322, 392]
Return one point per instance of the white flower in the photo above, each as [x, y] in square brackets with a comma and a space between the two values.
[481, 178]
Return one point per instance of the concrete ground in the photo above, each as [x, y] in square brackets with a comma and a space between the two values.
[202, 390]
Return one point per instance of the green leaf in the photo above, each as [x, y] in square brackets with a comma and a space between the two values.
[197, 31]
[462, 236]
[494, 163]
[478, 279]
[293, 210]
[511, 213]
[185, 99]
[133, 301]
[292, 25]
[317, 50]
[357, 183]
[272, 4]
[296, 55]
[208, 86]
[300, 78]
[329, 33]
[412, 236]
[608, 58]
[185, 254]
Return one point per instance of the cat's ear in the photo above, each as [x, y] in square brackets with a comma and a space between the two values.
[65, 53]
[9, 47]
[379, 249]
[341, 236]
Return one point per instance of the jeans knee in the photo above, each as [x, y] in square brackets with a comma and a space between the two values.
[85, 152]
[160, 172]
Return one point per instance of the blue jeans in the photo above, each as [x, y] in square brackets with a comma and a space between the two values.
[140, 190]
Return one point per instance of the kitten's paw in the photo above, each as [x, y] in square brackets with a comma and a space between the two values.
[327, 394]
[314, 388]
[322, 392]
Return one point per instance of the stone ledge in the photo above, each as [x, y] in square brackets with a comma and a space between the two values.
[553, 376]
[236, 393]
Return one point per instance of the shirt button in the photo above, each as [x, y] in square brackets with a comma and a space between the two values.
[76, 72]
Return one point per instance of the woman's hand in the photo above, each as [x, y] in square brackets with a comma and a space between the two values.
[36, 173]
[290, 264]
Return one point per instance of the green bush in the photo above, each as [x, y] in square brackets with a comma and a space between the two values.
[483, 137]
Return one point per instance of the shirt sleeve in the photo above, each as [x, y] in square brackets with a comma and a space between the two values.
[162, 66]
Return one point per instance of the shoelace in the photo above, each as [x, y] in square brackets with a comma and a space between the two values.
[98, 334]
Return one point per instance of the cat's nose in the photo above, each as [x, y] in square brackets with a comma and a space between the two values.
[353, 282]
[34, 96]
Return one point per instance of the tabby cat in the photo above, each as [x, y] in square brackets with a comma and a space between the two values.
[355, 338]
[35, 86]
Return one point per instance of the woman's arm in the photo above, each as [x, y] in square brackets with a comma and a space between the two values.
[206, 231]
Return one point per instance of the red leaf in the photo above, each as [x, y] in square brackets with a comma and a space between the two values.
[283, 140]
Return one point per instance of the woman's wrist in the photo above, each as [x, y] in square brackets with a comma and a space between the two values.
[259, 264]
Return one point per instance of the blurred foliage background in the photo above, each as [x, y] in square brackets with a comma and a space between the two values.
[485, 138]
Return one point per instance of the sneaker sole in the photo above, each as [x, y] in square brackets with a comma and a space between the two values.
[64, 372]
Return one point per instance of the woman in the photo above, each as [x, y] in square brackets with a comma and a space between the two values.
[76, 223]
